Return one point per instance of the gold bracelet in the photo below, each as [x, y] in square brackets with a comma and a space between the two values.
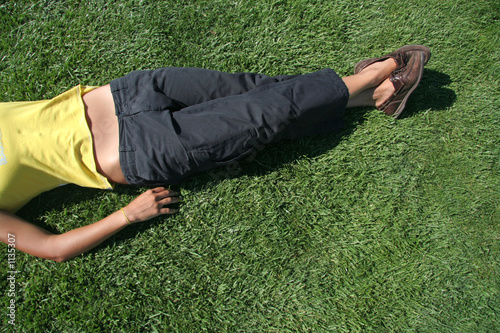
[126, 218]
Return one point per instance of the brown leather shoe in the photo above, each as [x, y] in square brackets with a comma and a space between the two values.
[405, 79]
[410, 60]
[399, 56]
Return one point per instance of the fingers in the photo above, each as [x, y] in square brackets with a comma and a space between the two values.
[168, 201]
[168, 211]
[164, 191]
[166, 197]
[152, 203]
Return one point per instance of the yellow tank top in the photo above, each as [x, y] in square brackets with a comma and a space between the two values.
[45, 144]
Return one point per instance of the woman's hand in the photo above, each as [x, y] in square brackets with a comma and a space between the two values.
[150, 204]
[41, 243]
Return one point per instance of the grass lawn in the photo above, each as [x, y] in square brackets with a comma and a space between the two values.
[388, 225]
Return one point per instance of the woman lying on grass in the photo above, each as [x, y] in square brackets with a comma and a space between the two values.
[152, 128]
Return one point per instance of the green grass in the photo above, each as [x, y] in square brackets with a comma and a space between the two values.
[386, 226]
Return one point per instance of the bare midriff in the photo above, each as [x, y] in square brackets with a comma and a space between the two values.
[103, 124]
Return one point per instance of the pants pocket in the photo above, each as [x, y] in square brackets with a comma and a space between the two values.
[226, 151]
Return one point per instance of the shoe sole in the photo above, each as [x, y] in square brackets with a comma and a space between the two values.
[401, 106]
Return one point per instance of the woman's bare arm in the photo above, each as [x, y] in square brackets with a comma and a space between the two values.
[36, 241]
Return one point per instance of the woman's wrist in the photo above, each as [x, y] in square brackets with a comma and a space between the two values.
[125, 215]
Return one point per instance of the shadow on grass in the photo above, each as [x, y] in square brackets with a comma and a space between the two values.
[431, 94]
